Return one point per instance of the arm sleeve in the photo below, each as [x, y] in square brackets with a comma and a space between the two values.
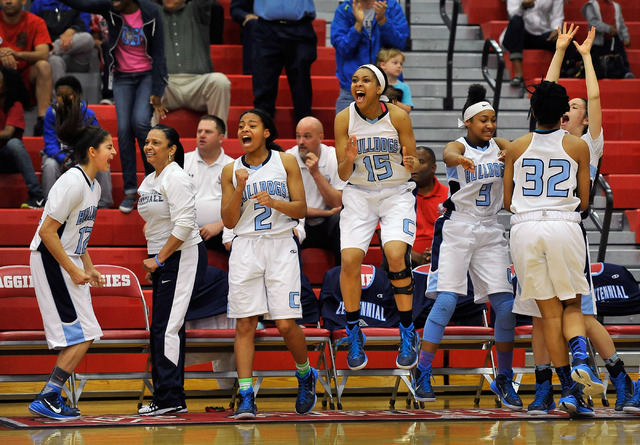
[513, 8]
[239, 10]
[395, 31]
[344, 37]
[181, 196]
[159, 69]
[593, 19]
[51, 143]
[557, 14]
[623, 31]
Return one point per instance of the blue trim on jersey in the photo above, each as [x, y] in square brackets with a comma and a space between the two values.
[592, 174]
[452, 173]
[385, 111]
[257, 167]
[539, 131]
[477, 147]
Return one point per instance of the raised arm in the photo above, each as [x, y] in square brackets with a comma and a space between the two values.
[594, 107]
[562, 43]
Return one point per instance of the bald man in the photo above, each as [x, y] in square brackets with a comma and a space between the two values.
[322, 186]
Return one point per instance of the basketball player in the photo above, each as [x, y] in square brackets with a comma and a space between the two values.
[262, 199]
[468, 239]
[546, 181]
[584, 119]
[373, 141]
[176, 265]
[61, 266]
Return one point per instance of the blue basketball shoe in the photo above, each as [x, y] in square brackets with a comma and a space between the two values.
[52, 405]
[355, 340]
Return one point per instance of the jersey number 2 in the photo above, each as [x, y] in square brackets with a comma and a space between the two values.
[260, 217]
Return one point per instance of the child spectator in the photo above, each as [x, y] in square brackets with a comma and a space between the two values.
[391, 61]
[57, 156]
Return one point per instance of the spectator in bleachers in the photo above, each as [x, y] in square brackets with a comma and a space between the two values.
[584, 120]
[546, 240]
[358, 30]
[376, 153]
[204, 165]
[60, 244]
[192, 82]
[322, 186]
[57, 157]
[69, 32]
[612, 36]
[25, 47]
[242, 13]
[100, 32]
[430, 194]
[533, 24]
[139, 74]
[470, 242]
[176, 265]
[263, 222]
[14, 158]
[284, 38]
[391, 61]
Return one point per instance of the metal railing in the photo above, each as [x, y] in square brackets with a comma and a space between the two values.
[452, 24]
[491, 46]
[603, 225]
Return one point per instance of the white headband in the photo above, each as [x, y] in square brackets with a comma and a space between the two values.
[378, 72]
[474, 109]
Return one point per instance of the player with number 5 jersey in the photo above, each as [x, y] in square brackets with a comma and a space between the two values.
[262, 201]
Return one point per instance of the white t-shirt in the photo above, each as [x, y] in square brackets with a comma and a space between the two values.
[328, 167]
[167, 204]
[206, 178]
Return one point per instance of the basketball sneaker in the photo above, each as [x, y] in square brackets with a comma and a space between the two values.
[502, 386]
[355, 340]
[247, 408]
[624, 389]
[633, 404]
[583, 374]
[572, 402]
[409, 348]
[52, 405]
[543, 400]
[154, 410]
[422, 384]
[306, 392]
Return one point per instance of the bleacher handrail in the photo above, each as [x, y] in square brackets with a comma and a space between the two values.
[490, 45]
[452, 24]
[603, 225]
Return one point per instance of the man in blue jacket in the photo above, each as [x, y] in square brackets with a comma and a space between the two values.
[358, 30]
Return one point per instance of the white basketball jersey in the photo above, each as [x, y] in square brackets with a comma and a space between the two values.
[73, 202]
[257, 220]
[379, 159]
[545, 176]
[479, 193]
[596, 148]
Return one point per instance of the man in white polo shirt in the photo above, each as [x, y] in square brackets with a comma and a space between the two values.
[322, 186]
[204, 165]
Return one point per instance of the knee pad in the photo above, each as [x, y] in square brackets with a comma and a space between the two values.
[405, 273]
[505, 321]
[439, 317]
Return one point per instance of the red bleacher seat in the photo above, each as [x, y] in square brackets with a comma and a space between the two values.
[620, 156]
[633, 216]
[614, 93]
[625, 191]
[227, 59]
[315, 262]
[480, 12]
[620, 125]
